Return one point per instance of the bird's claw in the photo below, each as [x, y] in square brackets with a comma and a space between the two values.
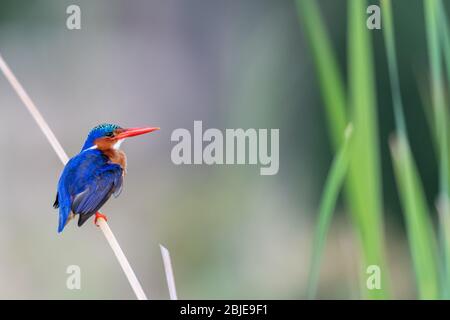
[98, 215]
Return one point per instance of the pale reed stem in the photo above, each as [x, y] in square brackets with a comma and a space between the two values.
[169, 273]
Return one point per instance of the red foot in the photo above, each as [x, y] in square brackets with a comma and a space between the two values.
[98, 215]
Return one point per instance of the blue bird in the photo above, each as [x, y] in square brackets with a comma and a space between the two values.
[93, 175]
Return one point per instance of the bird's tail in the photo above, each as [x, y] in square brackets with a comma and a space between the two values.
[65, 215]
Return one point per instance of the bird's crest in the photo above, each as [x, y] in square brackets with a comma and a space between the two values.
[99, 131]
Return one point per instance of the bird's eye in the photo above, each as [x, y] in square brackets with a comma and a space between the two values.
[110, 134]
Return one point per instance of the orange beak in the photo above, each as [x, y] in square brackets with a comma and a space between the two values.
[131, 132]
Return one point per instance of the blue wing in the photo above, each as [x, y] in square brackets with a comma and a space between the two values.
[104, 183]
[87, 182]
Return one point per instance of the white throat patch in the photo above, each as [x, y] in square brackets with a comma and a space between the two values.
[117, 144]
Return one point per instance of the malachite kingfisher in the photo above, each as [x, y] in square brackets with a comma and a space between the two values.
[93, 175]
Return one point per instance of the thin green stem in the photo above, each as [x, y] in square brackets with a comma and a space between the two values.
[432, 18]
[329, 75]
[420, 231]
[330, 195]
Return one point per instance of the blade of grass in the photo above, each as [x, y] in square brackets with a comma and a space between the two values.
[443, 205]
[440, 118]
[332, 87]
[329, 75]
[445, 46]
[364, 170]
[328, 200]
[389, 41]
[421, 235]
[425, 99]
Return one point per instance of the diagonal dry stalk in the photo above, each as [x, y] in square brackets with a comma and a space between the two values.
[123, 261]
[169, 273]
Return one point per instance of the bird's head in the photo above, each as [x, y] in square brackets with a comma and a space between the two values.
[107, 136]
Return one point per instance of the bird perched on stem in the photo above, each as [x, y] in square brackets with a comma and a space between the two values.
[93, 175]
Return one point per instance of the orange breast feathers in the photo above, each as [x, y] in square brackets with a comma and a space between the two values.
[106, 145]
[117, 156]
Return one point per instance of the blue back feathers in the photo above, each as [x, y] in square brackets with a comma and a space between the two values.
[86, 183]
[99, 131]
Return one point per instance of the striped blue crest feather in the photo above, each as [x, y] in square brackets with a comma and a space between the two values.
[99, 131]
